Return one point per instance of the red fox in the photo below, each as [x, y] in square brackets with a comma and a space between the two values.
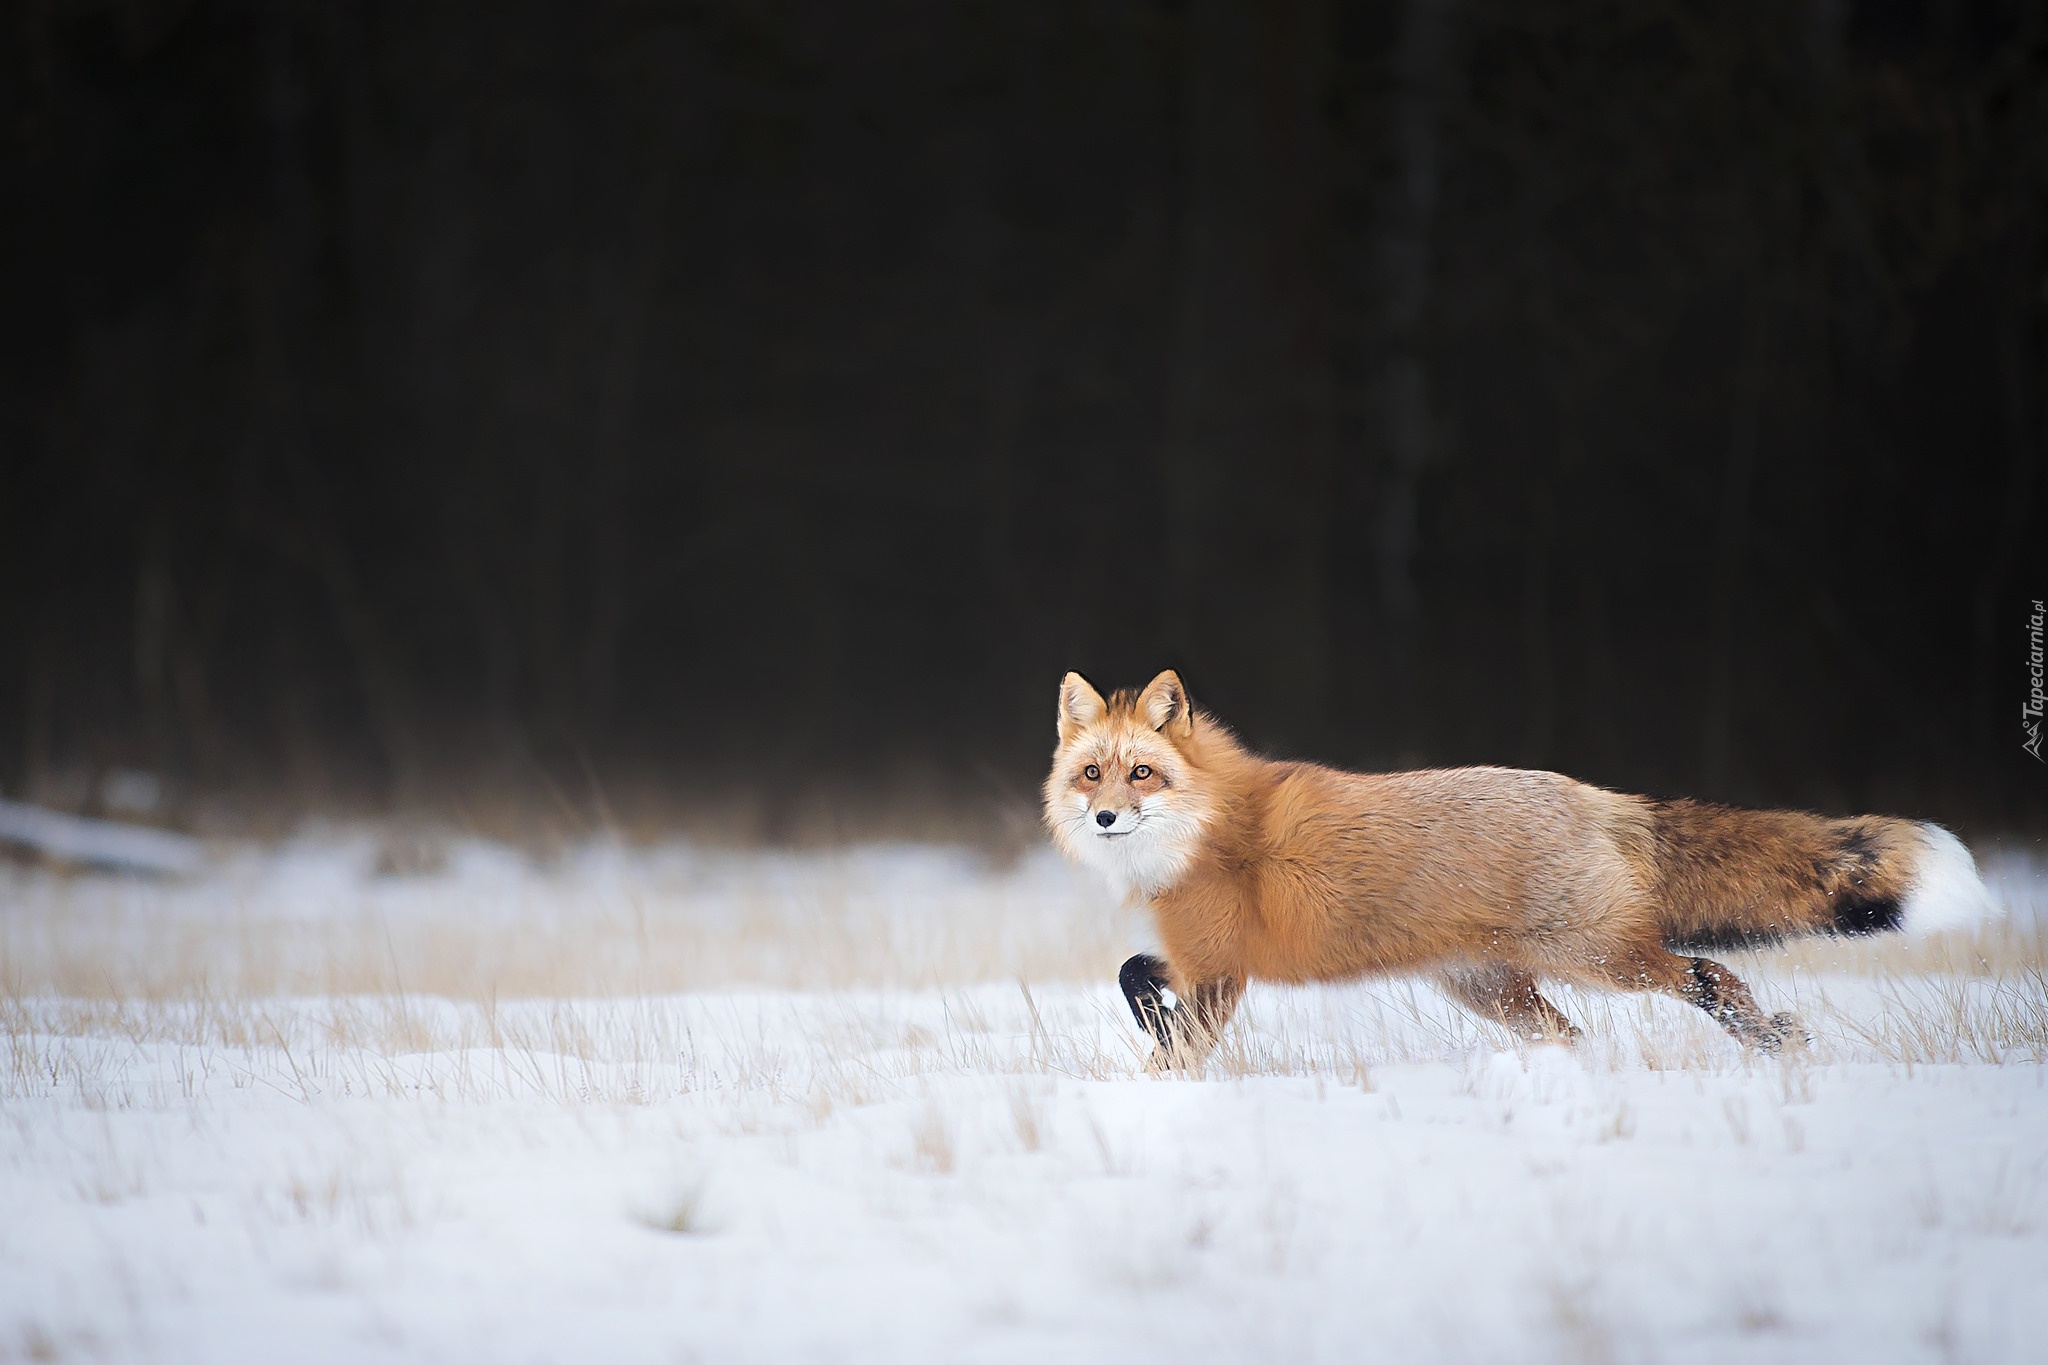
[1489, 878]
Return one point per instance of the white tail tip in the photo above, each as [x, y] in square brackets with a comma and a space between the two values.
[1946, 893]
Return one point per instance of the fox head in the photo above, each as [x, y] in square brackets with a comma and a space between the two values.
[1125, 794]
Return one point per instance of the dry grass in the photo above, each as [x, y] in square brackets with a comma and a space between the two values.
[813, 1053]
[684, 1213]
[598, 925]
[2010, 947]
[797, 1057]
[630, 984]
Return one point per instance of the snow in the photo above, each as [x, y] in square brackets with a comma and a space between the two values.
[252, 1146]
[100, 843]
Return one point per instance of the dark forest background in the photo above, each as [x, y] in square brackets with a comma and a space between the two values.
[759, 406]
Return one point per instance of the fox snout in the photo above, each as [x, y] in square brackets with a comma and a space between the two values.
[1105, 818]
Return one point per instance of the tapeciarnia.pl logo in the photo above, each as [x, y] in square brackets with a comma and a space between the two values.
[2030, 714]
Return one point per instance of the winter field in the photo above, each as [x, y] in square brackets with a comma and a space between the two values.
[344, 1099]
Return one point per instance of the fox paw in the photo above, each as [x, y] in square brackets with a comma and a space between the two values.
[1568, 1036]
[1791, 1033]
[1181, 1057]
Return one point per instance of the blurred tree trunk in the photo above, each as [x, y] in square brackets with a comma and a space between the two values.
[290, 365]
[1250, 430]
[2022, 322]
[154, 609]
[1745, 402]
[1427, 79]
[624, 299]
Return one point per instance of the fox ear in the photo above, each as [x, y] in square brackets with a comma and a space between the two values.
[1165, 706]
[1079, 705]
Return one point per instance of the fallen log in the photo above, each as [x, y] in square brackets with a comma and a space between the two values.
[108, 844]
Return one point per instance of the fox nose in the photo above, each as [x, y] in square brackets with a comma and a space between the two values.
[1105, 818]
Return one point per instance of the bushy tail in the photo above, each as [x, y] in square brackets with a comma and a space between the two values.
[1741, 877]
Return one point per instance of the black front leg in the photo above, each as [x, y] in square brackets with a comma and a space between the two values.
[1144, 978]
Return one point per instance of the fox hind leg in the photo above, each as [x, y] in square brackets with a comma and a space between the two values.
[1709, 986]
[1509, 995]
[1722, 995]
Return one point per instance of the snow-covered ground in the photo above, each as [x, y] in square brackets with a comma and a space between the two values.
[679, 1104]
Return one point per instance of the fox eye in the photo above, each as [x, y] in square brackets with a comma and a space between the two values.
[1092, 773]
[1141, 772]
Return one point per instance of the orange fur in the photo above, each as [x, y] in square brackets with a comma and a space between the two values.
[1491, 878]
